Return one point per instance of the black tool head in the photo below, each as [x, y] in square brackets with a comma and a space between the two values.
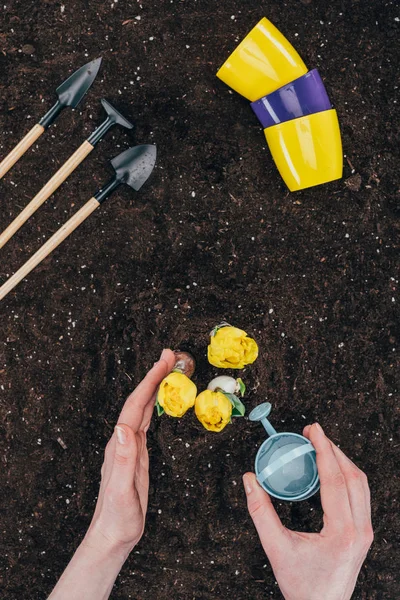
[134, 166]
[71, 92]
[115, 116]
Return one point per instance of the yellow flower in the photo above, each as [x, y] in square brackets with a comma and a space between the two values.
[176, 394]
[231, 348]
[213, 410]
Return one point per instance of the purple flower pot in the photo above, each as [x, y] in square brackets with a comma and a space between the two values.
[303, 96]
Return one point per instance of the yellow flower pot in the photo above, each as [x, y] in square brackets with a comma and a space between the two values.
[263, 62]
[307, 150]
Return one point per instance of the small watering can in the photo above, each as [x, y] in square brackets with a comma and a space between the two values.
[285, 465]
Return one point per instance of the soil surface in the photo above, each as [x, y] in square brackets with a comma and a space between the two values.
[215, 235]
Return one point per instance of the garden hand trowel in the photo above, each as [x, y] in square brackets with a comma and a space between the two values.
[132, 167]
[69, 93]
[113, 118]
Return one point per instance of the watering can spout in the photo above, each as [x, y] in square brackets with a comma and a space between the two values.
[268, 427]
[260, 413]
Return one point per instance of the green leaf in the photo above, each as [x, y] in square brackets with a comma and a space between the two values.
[242, 387]
[238, 413]
[159, 408]
[238, 406]
[229, 396]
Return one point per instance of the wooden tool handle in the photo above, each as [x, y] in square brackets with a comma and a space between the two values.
[50, 245]
[20, 149]
[58, 178]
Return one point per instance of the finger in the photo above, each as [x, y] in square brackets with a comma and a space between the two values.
[133, 410]
[108, 459]
[350, 469]
[334, 495]
[269, 527]
[124, 460]
[358, 490]
[142, 472]
[148, 411]
[148, 414]
[105, 472]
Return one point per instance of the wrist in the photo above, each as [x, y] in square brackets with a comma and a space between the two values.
[92, 570]
[102, 548]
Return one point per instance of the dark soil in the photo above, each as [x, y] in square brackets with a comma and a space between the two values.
[214, 236]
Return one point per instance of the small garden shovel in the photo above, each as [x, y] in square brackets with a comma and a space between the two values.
[69, 93]
[113, 118]
[132, 167]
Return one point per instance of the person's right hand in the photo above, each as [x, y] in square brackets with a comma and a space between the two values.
[325, 565]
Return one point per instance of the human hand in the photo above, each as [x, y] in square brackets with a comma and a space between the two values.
[120, 513]
[325, 565]
[119, 518]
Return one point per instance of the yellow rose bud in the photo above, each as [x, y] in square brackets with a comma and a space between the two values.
[176, 394]
[213, 410]
[231, 348]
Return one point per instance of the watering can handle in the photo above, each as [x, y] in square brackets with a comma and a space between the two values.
[284, 460]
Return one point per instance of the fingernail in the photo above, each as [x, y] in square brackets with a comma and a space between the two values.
[247, 484]
[121, 435]
[164, 354]
[319, 428]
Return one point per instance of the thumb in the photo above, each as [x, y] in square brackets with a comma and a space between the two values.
[269, 527]
[124, 460]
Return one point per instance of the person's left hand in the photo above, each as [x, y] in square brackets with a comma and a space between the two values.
[121, 507]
